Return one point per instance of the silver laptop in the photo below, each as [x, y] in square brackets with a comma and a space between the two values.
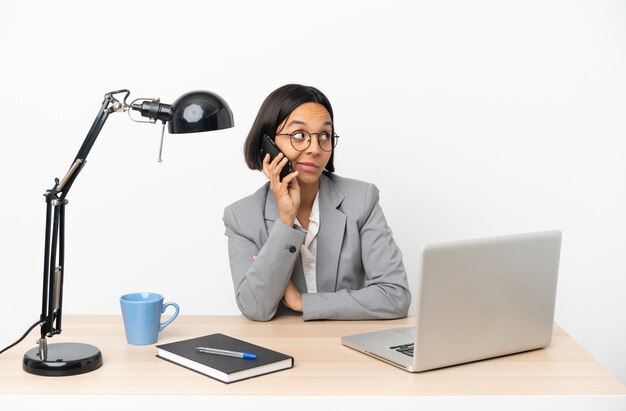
[475, 299]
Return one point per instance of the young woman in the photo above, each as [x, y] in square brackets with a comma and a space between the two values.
[313, 242]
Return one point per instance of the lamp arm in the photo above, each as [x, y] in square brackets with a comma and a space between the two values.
[54, 248]
[109, 105]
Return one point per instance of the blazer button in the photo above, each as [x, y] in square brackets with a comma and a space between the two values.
[292, 249]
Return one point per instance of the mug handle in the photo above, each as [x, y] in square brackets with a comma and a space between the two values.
[166, 323]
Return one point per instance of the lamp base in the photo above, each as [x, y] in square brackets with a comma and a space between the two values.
[63, 359]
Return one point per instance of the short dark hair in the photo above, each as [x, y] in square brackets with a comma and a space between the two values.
[273, 112]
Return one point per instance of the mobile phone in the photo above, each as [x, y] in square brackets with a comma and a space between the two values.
[268, 146]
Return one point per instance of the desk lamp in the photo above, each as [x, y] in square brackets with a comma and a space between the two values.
[192, 112]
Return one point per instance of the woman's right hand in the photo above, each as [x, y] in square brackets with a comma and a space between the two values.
[286, 192]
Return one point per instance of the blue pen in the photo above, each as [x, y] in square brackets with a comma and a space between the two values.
[217, 351]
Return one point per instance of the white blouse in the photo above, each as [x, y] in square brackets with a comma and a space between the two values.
[308, 252]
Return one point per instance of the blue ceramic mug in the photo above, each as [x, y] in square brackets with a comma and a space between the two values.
[142, 316]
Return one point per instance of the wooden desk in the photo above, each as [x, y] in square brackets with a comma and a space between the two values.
[322, 365]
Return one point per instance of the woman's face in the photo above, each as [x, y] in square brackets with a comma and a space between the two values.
[314, 119]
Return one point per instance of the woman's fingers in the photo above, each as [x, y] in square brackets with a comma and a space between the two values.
[272, 169]
[291, 179]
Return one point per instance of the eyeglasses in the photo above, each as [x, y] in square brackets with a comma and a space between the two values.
[301, 140]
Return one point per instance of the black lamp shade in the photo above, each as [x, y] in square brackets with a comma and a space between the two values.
[198, 111]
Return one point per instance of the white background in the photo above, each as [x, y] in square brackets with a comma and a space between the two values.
[473, 118]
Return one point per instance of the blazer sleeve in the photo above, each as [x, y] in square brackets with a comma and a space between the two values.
[386, 292]
[260, 283]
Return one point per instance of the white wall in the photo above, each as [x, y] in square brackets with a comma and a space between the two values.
[473, 118]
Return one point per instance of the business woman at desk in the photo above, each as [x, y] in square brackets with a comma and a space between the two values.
[311, 241]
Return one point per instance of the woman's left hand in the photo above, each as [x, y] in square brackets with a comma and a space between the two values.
[292, 297]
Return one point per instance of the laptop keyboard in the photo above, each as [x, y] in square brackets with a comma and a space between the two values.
[406, 349]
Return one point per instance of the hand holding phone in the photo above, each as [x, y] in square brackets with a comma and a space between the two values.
[269, 147]
[287, 195]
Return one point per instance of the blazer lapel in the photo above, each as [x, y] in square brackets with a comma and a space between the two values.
[330, 235]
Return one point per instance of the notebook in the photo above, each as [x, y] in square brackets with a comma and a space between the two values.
[224, 368]
[475, 299]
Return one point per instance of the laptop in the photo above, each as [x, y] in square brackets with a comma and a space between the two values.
[475, 299]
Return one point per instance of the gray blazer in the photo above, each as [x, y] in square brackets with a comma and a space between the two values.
[360, 274]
